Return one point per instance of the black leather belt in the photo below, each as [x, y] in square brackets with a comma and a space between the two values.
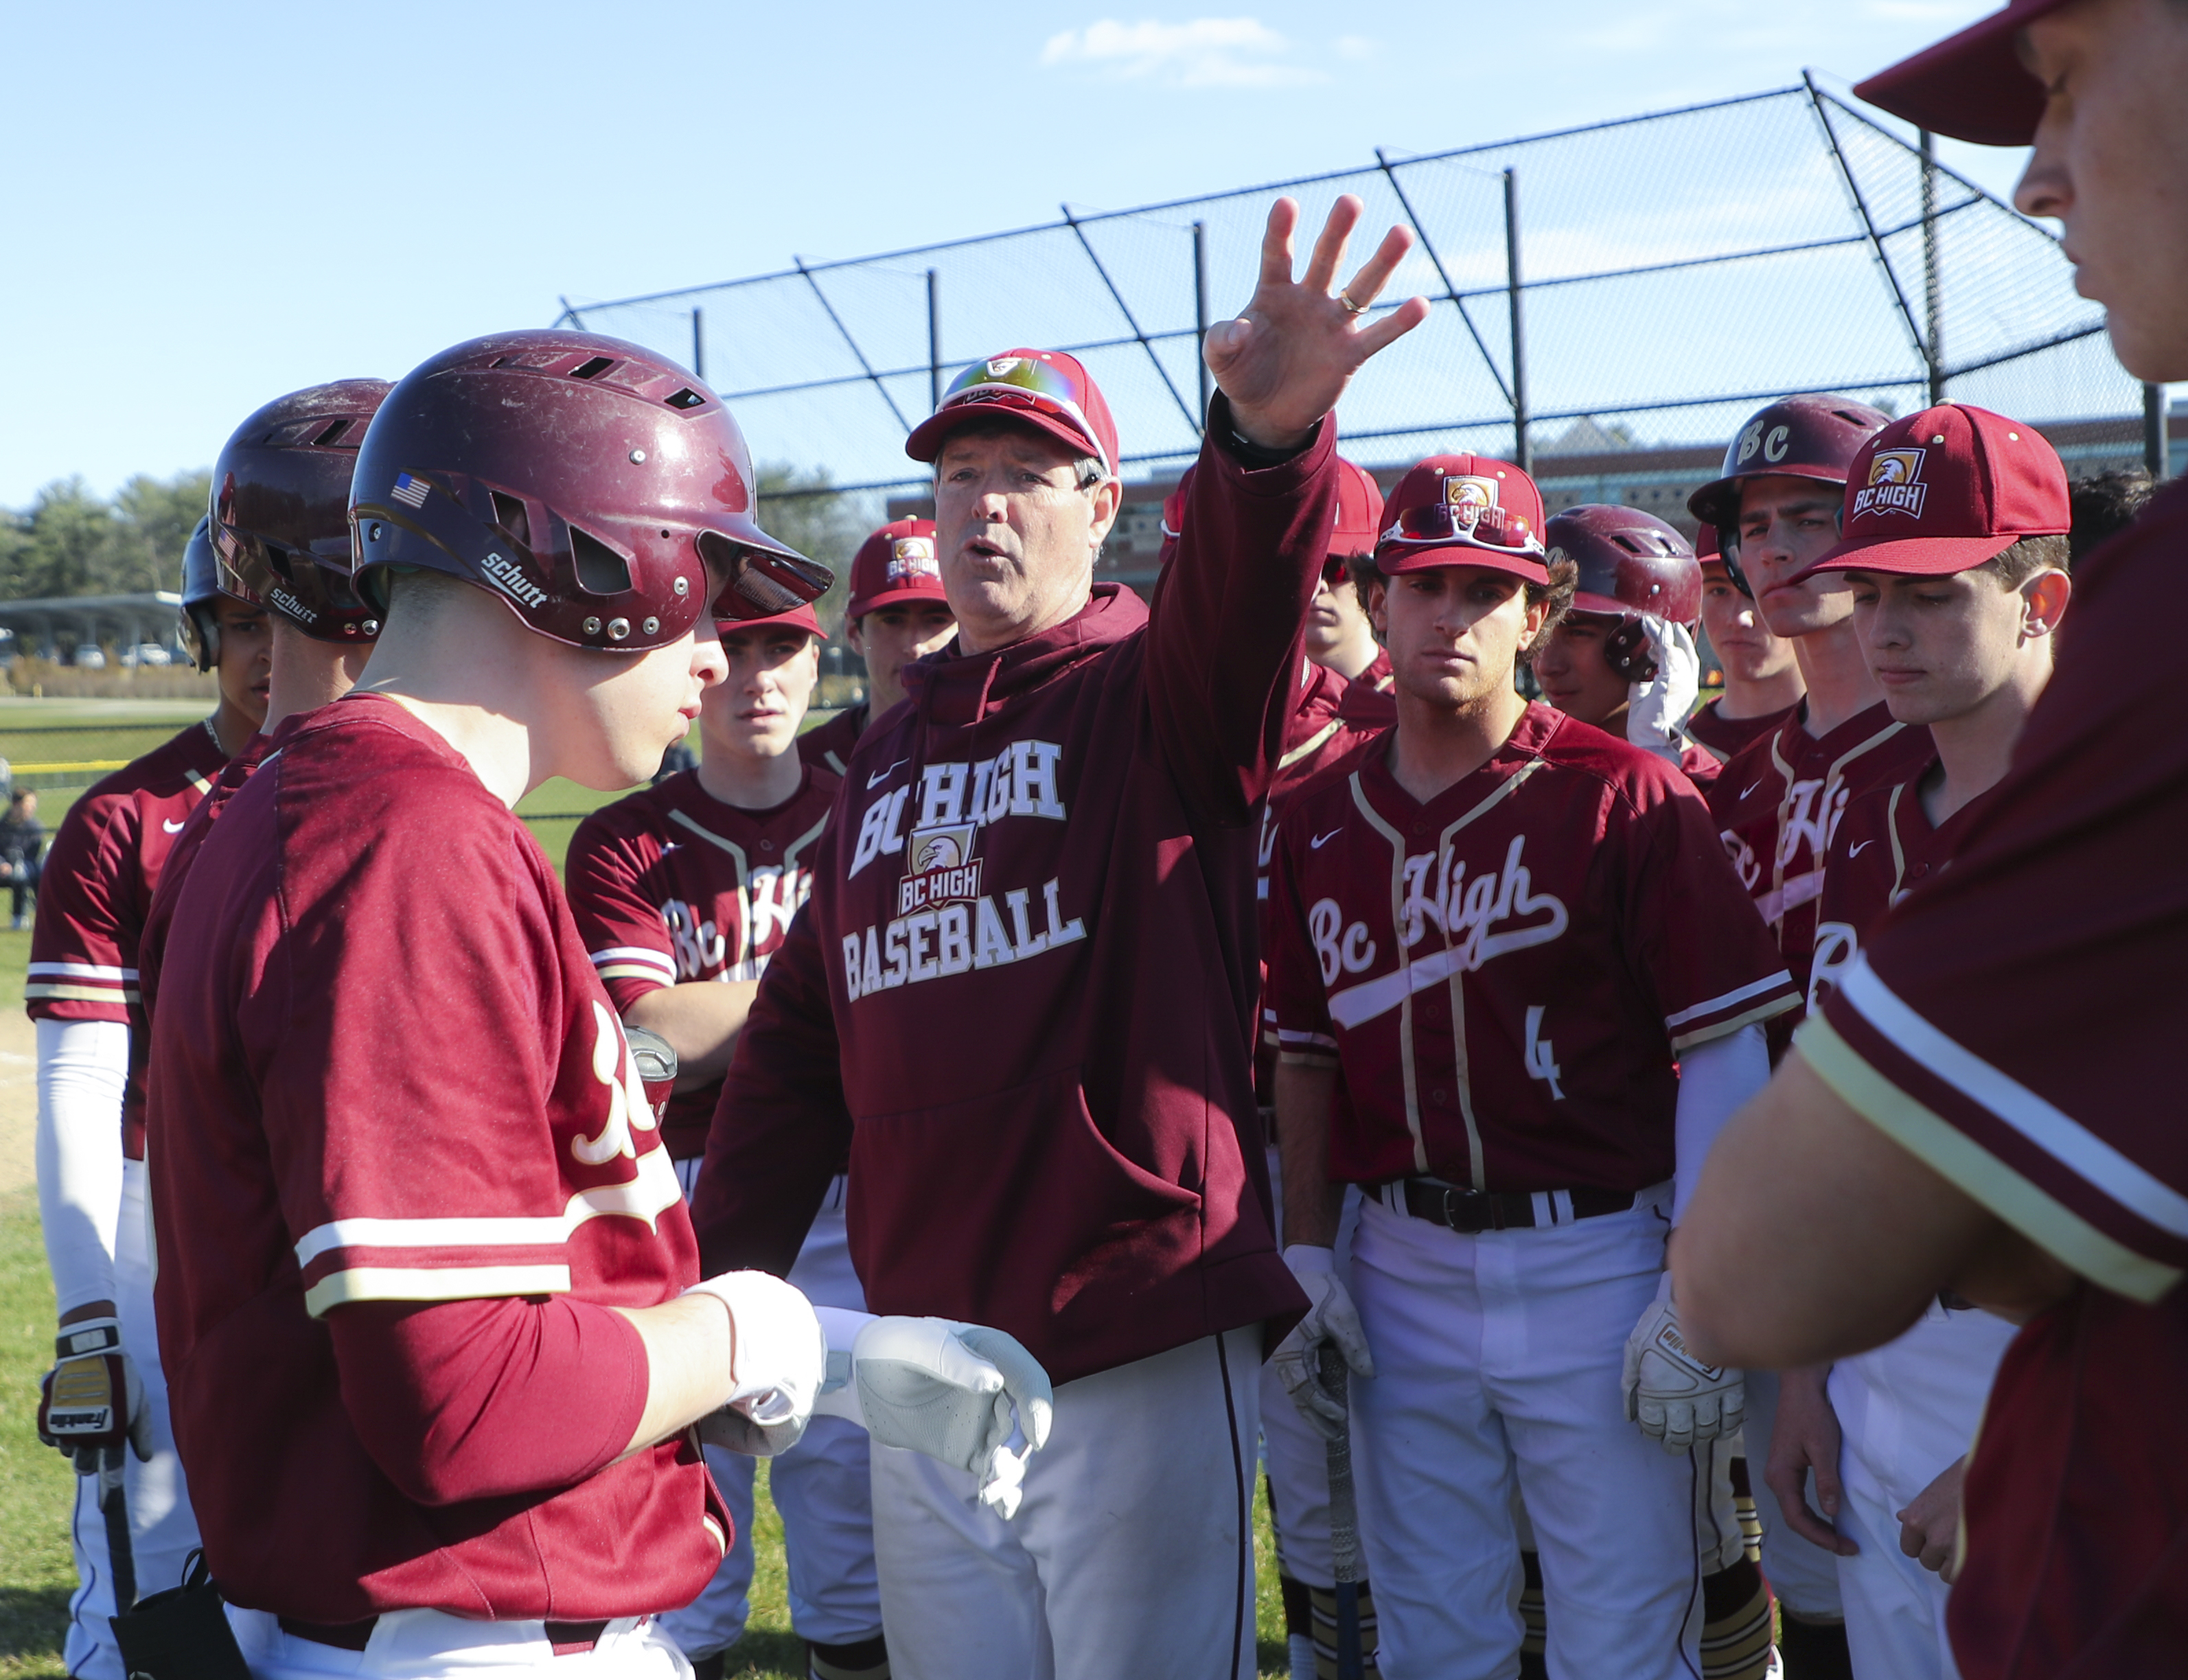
[566, 1637]
[1459, 1209]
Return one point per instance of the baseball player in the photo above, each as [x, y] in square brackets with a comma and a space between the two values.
[1622, 656]
[429, 1293]
[1983, 1104]
[1762, 676]
[682, 893]
[82, 993]
[1776, 508]
[897, 613]
[1021, 995]
[1516, 940]
[1956, 601]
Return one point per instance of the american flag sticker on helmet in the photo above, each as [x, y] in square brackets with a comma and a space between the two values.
[412, 491]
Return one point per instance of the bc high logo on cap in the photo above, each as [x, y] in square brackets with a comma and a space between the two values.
[911, 557]
[1002, 367]
[1468, 496]
[1895, 484]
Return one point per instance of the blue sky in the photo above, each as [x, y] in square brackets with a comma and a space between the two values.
[209, 206]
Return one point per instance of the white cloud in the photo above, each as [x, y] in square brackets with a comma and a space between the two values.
[1206, 53]
[1357, 47]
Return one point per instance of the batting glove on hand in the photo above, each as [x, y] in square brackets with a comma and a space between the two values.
[91, 1401]
[1676, 1398]
[1655, 709]
[959, 1393]
[778, 1360]
[1331, 1321]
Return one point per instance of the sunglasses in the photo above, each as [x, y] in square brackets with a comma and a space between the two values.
[1439, 524]
[1026, 382]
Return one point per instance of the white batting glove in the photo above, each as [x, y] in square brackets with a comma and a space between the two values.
[1676, 1398]
[93, 1401]
[959, 1393]
[1331, 1321]
[1655, 709]
[778, 1360]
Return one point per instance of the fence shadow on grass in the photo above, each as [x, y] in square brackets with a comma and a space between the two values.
[32, 1621]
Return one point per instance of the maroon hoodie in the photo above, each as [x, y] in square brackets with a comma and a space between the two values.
[1021, 995]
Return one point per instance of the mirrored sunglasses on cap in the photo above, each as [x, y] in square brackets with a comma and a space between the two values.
[1441, 524]
[1028, 383]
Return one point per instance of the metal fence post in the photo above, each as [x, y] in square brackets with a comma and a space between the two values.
[698, 342]
[2156, 445]
[1200, 313]
[933, 339]
[1521, 454]
[1933, 301]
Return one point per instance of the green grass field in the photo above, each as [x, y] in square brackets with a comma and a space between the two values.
[37, 1574]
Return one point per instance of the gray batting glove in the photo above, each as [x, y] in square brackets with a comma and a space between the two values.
[1677, 1401]
[1331, 1321]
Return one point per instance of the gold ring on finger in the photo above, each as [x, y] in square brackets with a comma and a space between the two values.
[1351, 308]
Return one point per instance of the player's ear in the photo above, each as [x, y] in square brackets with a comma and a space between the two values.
[2044, 602]
[1379, 606]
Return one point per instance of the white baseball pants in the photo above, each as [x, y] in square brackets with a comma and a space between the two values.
[163, 1529]
[1132, 1557]
[432, 1646]
[1497, 1362]
[822, 1486]
[1906, 1411]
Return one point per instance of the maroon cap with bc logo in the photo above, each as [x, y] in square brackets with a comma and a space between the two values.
[1947, 490]
[1463, 510]
[897, 563]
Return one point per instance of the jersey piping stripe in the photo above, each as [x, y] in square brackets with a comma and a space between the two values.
[1406, 1018]
[1740, 994]
[1309, 746]
[433, 1233]
[1733, 1023]
[790, 852]
[1781, 897]
[83, 971]
[2050, 1129]
[83, 993]
[1898, 848]
[433, 1283]
[1962, 1162]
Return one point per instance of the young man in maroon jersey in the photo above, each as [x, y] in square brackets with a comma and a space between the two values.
[1762, 672]
[429, 1293]
[83, 993]
[897, 613]
[1516, 941]
[1956, 601]
[1983, 1104]
[683, 892]
[1021, 995]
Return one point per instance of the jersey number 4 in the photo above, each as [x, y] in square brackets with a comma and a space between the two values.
[1542, 1059]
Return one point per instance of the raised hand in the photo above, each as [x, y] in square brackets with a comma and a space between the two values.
[1286, 360]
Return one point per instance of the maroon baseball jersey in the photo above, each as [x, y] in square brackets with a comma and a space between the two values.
[383, 1071]
[1506, 975]
[1724, 737]
[671, 885]
[829, 745]
[1776, 803]
[96, 891]
[1370, 698]
[2015, 1023]
[1023, 989]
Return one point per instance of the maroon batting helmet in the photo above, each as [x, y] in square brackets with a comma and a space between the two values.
[280, 508]
[586, 481]
[1795, 437]
[201, 593]
[1628, 562]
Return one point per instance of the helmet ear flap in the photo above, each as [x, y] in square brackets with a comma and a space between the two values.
[1727, 550]
[198, 625]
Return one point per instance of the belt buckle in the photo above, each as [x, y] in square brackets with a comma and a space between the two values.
[1457, 1195]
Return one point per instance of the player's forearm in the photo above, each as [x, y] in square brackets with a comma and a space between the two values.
[1715, 1080]
[702, 1020]
[1312, 1204]
[83, 1073]
[690, 1345]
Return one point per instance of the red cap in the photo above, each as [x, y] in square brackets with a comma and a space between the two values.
[799, 617]
[1463, 510]
[1706, 549]
[1359, 510]
[1044, 389]
[1972, 86]
[896, 563]
[1947, 490]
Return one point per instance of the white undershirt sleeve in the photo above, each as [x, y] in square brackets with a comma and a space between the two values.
[83, 1070]
[1715, 1078]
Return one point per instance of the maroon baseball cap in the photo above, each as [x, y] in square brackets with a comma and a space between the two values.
[1044, 389]
[799, 617]
[1947, 490]
[1972, 86]
[897, 563]
[1463, 510]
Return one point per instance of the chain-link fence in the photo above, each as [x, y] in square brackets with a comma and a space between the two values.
[1608, 302]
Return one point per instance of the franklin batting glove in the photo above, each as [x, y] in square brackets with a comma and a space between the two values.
[1331, 1321]
[1676, 1398]
[92, 1399]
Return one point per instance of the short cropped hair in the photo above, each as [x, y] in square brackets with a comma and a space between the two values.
[2104, 504]
[2028, 557]
[1564, 579]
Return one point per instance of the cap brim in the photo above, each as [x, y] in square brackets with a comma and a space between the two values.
[859, 608]
[1525, 568]
[1608, 605]
[1913, 556]
[801, 618]
[925, 443]
[1972, 86]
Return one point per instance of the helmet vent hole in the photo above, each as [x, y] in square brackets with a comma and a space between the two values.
[509, 514]
[685, 398]
[600, 570]
[330, 437]
[593, 368]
